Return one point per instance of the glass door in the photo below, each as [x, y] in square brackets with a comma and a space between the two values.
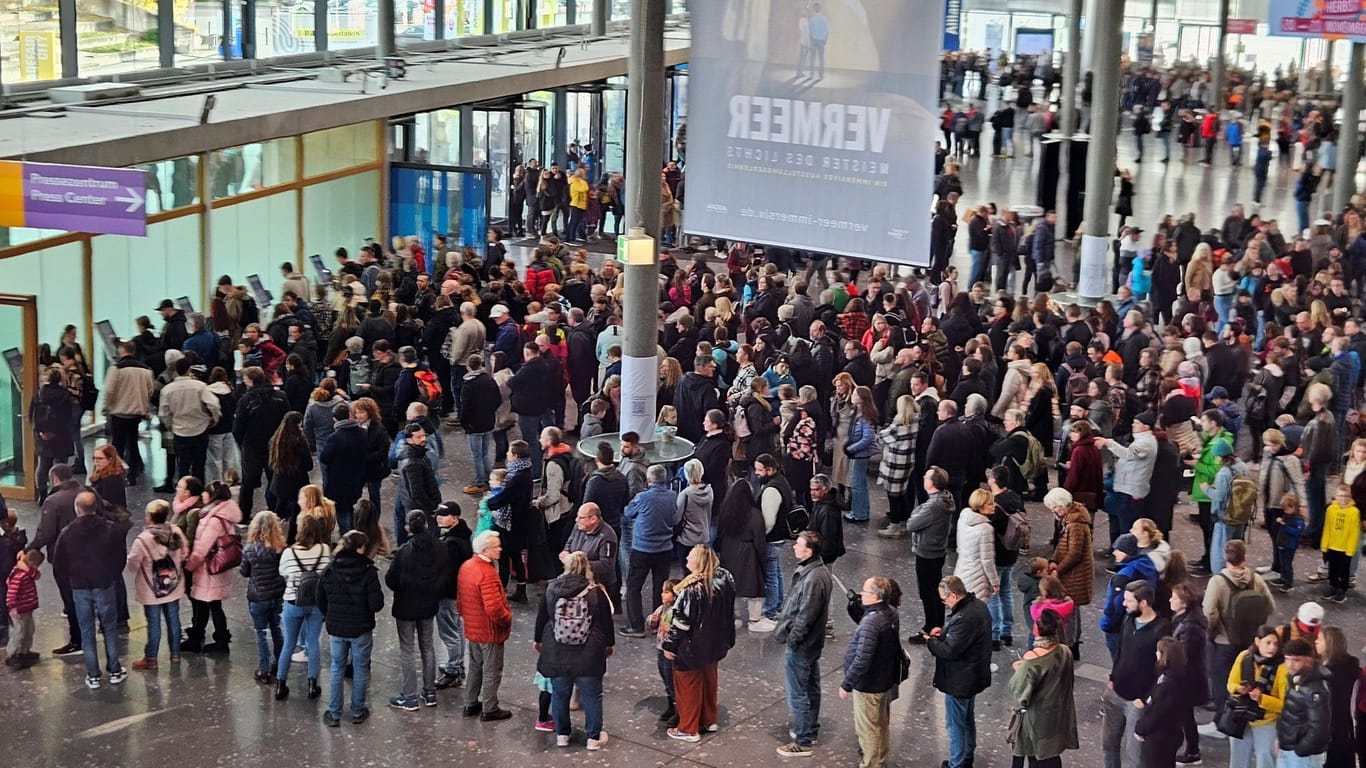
[18, 383]
[493, 149]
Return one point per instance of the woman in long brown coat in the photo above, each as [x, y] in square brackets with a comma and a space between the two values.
[1072, 561]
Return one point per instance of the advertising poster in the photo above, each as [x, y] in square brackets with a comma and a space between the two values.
[1319, 18]
[812, 124]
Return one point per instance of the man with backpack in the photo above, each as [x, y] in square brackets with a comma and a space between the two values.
[561, 487]
[1018, 453]
[1233, 501]
[1011, 525]
[1237, 602]
[416, 383]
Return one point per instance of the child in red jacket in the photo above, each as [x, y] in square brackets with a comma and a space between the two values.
[21, 596]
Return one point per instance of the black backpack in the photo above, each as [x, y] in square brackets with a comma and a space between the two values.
[250, 312]
[573, 478]
[306, 590]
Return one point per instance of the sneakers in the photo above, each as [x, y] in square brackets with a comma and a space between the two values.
[144, 664]
[449, 680]
[547, 726]
[1339, 596]
[428, 697]
[70, 649]
[1263, 569]
[795, 750]
[674, 733]
[713, 728]
[92, 682]
[791, 734]
[595, 744]
[299, 657]
[762, 625]
[1188, 758]
[360, 717]
[331, 720]
[1318, 577]
[118, 676]
[1209, 729]
[632, 632]
[405, 703]
[893, 531]
[560, 741]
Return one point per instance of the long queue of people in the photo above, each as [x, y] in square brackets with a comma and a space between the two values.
[793, 385]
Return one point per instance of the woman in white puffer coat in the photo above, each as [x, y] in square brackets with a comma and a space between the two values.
[977, 546]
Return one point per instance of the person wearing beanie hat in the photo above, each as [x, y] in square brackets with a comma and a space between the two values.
[1130, 565]
[1213, 436]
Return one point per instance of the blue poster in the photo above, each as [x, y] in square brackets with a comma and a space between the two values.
[953, 14]
[428, 200]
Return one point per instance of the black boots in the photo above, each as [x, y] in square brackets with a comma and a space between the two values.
[281, 690]
[314, 690]
[518, 595]
[193, 642]
[219, 644]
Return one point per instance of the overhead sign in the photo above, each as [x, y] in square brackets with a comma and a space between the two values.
[75, 198]
[1336, 19]
[1241, 27]
[953, 10]
[812, 125]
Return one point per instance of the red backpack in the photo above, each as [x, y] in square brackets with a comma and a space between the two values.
[428, 386]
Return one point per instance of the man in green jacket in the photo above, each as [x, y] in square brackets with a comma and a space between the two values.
[1212, 433]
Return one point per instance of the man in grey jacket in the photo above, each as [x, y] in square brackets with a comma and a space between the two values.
[1133, 469]
[801, 628]
[598, 542]
[929, 528]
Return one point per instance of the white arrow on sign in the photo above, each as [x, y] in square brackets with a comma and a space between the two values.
[134, 200]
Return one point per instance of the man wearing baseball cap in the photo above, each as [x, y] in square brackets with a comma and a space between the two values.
[1305, 625]
[508, 338]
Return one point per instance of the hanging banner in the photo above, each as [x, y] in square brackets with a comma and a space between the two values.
[953, 10]
[812, 125]
[1337, 19]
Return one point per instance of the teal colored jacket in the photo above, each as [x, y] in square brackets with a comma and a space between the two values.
[1208, 465]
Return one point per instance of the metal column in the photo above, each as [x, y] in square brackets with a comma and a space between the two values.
[1326, 76]
[1217, 70]
[645, 138]
[1105, 27]
[1071, 74]
[1349, 136]
[384, 36]
[601, 8]
[559, 128]
[166, 33]
[66, 26]
[320, 25]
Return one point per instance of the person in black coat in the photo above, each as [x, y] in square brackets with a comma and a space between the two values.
[417, 486]
[970, 383]
[695, 396]
[872, 661]
[571, 665]
[457, 539]
[259, 413]
[344, 454]
[50, 415]
[962, 654]
[1161, 717]
[419, 580]
[174, 332]
[349, 597]
[383, 382]
[714, 451]
[433, 339]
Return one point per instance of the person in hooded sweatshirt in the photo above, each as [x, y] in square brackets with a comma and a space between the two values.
[158, 592]
[417, 577]
[694, 506]
[349, 597]
[695, 396]
[1131, 564]
[344, 453]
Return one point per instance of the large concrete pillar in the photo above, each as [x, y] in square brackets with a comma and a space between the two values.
[1349, 136]
[600, 10]
[1326, 76]
[1105, 29]
[644, 158]
[1088, 48]
[1217, 70]
[1067, 115]
[384, 36]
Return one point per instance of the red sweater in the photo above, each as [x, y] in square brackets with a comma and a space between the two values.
[21, 594]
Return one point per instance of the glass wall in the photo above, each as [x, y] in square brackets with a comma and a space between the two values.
[254, 237]
[172, 184]
[342, 212]
[53, 275]
[12, 454]
[338, 148]
[251, 168]
[28, 28]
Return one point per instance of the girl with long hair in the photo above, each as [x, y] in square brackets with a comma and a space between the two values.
[219, 517]
[862, 445]
[289, 463]
[302, 620]
[700, 635]
[265, 589]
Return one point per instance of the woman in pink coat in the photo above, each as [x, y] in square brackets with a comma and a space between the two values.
[157, 562]
[219, 516]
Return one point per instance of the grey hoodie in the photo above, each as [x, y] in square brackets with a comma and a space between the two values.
[929, 525]
[694, 507]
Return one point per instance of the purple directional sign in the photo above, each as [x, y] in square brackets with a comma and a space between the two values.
[76, 198]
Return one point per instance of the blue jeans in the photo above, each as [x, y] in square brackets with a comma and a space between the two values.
[450, 629]
[400, 521]
[1223, 534]
[773, 581]
[804, 693]
[666, 674]
[1302, 212]
[359, 648]
[1007, 137]
[1002, 605]
[979, 261]
[1223, 306]
[500, 444]
[1288, 759]
[962, 729]
[265, 620]
[308, 623]
[1258, 741]
[858, 489]
[154, 613]
[93, 604]
[479, 449]
[590, 696]
[530, 429]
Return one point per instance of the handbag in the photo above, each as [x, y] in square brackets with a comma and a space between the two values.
[1232, 718]
[225, 554]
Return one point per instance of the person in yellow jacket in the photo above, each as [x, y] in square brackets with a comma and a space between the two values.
[578, 206]
[1258, 677]
[1341, 537]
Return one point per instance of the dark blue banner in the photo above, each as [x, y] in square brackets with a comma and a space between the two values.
[953, 14]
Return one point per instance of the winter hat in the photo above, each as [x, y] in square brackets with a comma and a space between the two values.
[1147, 419]
[1222, 449]
[1083, 403]
[1128, 544]
[1218, 393]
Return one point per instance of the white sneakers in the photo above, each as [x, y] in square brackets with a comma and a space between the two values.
[598, 743]
[561, 741]
[762, 625]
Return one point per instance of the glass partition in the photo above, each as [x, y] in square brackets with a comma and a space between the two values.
[251, 167]
[33, 42]
[17, 360]
[426, 199]
[172, 184]
[338, 148]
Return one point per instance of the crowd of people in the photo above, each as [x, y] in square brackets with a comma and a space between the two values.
[1229, 355]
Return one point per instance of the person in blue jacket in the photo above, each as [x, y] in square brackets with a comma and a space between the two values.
[1131, 565]
[862, 445]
